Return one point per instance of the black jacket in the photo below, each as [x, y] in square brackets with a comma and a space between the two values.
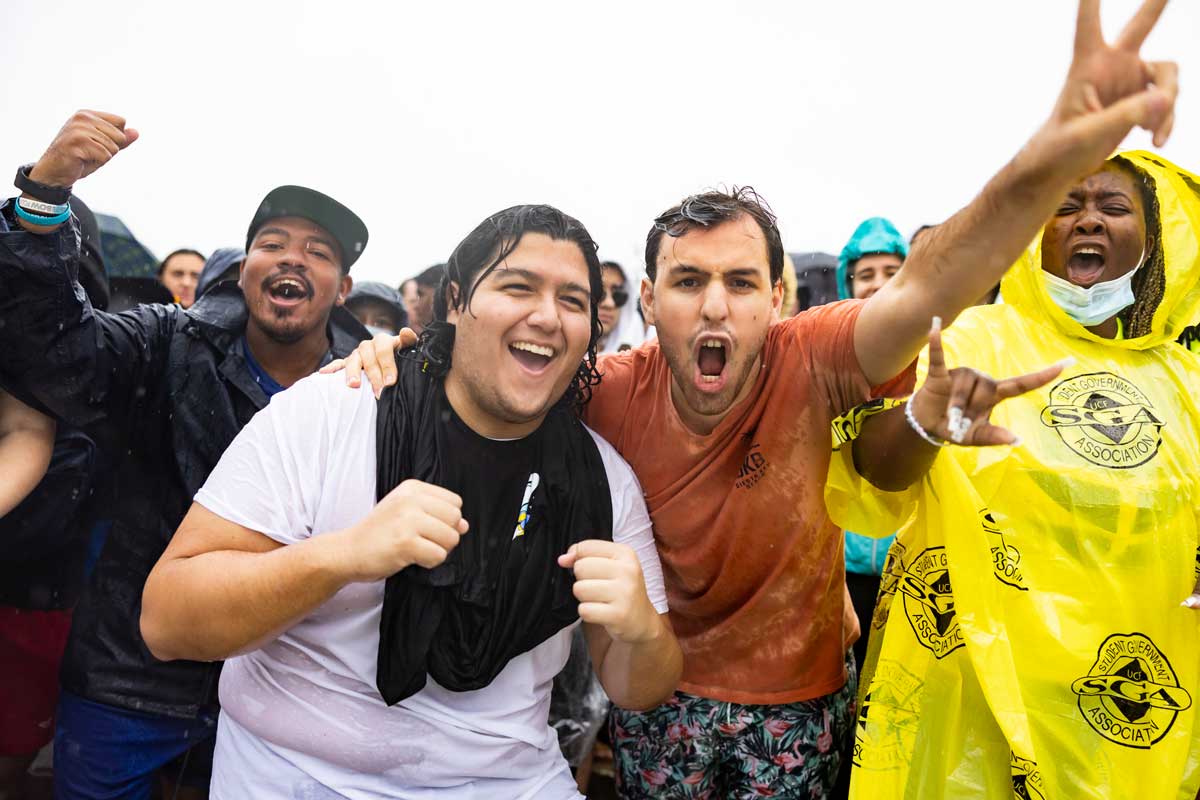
[163, 392]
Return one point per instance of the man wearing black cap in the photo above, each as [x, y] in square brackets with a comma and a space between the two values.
[163, 391]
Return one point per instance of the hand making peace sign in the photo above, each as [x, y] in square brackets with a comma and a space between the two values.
[1109, 90]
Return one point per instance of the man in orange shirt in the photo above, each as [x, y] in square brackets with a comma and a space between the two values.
[726, 421]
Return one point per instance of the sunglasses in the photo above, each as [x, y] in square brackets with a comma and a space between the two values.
[620, 296]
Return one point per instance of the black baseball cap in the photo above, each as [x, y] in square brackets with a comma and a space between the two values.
[300, 201]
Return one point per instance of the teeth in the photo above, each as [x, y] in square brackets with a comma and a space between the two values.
[710, 378]
[289, 287]
[537, 349]
[1088, 251]
[714, 344]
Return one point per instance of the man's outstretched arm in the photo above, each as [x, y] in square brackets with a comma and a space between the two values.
[1109, 90]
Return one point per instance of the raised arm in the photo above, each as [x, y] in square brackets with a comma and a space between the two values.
[26, 443]
[1109, 90]
[94, 370]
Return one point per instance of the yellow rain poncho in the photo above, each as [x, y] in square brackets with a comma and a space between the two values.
[1033, 644]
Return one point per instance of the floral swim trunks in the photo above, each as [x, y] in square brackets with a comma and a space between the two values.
[693, 747]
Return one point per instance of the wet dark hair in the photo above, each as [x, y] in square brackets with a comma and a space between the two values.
[1150, 284]
[712, 208]
[180, 252]
[478, 255]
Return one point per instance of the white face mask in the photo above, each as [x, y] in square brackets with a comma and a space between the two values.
[1095, 304]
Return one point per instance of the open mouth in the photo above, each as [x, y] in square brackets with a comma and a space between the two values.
[1086, 265]
[533, 357]
[711, 355]
[288, 290]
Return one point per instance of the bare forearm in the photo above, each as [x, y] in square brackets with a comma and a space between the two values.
[889, 454]
[24, 457]
[642, 675]
[218, 604]
[26, 444]
[956, 263]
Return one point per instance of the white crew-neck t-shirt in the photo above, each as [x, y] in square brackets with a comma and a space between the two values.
[301, 718]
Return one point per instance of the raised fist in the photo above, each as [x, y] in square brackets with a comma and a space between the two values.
[87, 142]
[415, 523]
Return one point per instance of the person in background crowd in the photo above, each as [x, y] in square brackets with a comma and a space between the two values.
[408, 294]
[791, 299]
[223, 265]
[377, 306]
[623, 326]
[816, 279]
[162, 392]
[180, 273]
[394, 652]
[870, 259]
[616, 295]
[729, 413]
[418, 294]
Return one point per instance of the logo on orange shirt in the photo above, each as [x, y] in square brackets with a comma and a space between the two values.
[753, 468]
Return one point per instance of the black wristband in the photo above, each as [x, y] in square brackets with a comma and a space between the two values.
[56, 195]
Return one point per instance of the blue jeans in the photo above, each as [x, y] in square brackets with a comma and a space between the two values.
[102, 752]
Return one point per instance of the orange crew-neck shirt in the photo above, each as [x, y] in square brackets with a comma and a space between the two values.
[754, 568]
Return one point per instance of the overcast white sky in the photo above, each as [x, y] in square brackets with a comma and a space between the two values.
[424, 118]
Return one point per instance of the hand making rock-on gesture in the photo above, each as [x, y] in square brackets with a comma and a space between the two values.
[956, 404]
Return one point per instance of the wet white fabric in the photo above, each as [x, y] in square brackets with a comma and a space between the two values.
[301, 717]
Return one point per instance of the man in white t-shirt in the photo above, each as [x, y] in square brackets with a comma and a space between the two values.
[288, 568]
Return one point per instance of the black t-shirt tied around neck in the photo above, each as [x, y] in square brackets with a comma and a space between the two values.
[501, 592]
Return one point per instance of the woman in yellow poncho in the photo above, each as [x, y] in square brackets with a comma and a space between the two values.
[1033, 641]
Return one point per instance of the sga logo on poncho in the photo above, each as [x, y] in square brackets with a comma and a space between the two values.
[1105, 419]
[929, 602]
[1131, 695]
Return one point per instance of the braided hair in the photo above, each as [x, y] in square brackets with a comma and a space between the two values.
[1150, 283]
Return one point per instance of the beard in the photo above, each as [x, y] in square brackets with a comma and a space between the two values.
[282, 327]
[703, 403]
